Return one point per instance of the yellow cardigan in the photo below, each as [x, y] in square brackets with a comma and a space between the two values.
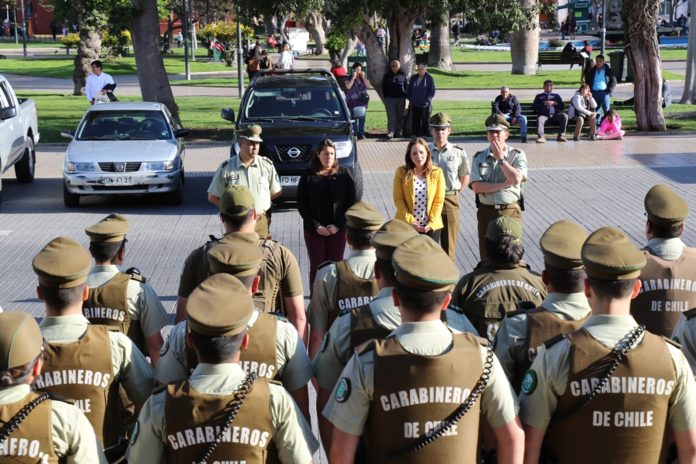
[404, 197]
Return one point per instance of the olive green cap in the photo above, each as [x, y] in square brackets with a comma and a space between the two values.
[502, 226]
[113, 228]
[62, 263]
[664, 206]
[609, 255]
[363, 215]
[236, 257]
[392, 234]
[440, 120]
[421, 263]
[20, 339]
[497, 123]
[561, 245]
[251, 133]
[236, 201]
[221, 305]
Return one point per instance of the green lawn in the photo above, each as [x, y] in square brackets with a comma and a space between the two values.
[202, 115]
[10, 44]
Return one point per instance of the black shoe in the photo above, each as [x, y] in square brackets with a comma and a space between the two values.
[361, 137]
[524, 139]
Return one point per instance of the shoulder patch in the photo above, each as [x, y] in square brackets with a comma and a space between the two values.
[343, 390]
[552, 341]
[164, 348]
[675, 344]
[529, 382]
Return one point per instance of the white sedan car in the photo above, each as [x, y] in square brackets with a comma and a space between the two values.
[125, 148]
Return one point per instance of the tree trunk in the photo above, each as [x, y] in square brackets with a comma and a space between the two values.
[524, 45]
[283, 36]
[271, 23]
[440, 55]
[640, 17]
[689, 96]
[342, 57]
[315, 27]
[87, 51]
[154, 83]
[400, 44]
[376, 59]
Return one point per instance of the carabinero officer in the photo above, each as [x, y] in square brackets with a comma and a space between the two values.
[343, 286]
[36, 427]
[401, 393]
[85, 362]
[612, 383]
[497, 174]
[500, 283]
[280, 286]
[122, 299]
[252, 170]
[564, 309]
[669, 277]
[275, 350]
[220, 413]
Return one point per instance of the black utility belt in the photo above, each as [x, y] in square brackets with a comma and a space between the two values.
[503, 206]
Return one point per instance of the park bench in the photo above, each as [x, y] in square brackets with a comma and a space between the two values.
[564, 58]
[527, 110]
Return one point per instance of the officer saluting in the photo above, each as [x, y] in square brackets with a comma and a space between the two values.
[392, 392]
[122, 299]
[52, 430]
[563, 310]
[613, 383]
[84, 362]
[221, 413]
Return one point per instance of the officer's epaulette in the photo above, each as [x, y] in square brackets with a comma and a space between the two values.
[324, 264]
[515, 151]
[266, 160]
[135, 274]
[552, 341]
[213, 238]
[690, 313]
[267, 243]
[61, 398]
[365, 347]
[275, 382]
[478, 153]
[672, 342]
[458, 147]
[226, 162]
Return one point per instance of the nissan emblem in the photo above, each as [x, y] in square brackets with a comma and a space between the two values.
[294, 152]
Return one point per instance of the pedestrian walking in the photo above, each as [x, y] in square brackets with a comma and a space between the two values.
[94, 85]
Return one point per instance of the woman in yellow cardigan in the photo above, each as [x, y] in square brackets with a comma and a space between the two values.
[419, 190]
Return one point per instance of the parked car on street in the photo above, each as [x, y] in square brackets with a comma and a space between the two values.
[125, 148]
[19, 134]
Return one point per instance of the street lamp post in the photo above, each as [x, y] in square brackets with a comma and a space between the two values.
[24, 30]
[184, 27]
[604, 26]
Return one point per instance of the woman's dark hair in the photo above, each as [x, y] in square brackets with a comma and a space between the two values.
[315, 163]
[17, 375]
[584, 86]
[505, 251]
[410, 166]
[357, 64]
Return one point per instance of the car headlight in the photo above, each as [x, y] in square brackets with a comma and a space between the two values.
[80, 167]
[343, 149]
[158, 166]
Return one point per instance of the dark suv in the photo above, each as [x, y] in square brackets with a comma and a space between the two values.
[297, 110]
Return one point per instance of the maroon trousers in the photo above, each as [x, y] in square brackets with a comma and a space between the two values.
[321, 249]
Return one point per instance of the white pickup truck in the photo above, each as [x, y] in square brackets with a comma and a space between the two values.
[19, 134]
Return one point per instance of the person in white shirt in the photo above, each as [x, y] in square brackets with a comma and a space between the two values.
[286, 60]
[96, 82]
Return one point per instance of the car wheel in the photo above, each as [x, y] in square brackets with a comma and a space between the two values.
[71, 200]
[176, 196]
[25, 167]
[358, 179]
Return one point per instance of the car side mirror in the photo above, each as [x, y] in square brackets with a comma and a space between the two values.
[359, 112]
[67, 135]
[227, 114]
[7, 113]
[181, 133]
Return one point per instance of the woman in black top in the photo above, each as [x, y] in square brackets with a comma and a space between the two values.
[324, 194]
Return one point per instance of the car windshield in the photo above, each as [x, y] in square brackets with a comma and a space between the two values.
[301, 103]
[124, 125]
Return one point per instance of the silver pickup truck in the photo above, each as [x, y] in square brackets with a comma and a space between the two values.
[19, 134]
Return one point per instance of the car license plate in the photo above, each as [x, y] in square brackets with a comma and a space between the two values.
[289, 180]
[118, 180]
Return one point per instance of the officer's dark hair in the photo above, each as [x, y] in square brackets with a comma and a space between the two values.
[667, 230]
[97, 63]
[103, 252]
[247, 280]
[360, 238]
[61, 298]
[611, 288]
[17, 375]
[566, 280]
[386, 270]
[505, 251]
[600, 57]
[236, 223]
[215, 350]
[419, 301]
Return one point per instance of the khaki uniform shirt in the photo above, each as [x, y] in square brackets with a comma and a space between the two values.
[260, 177]
[511, 338]
[336, 350]
[291, 434]
[552, 367]
[129, 365]
[452, 160]
[361, 262]
[73, 436]
[485, 168]
[498, 401]
[685, 334]
[292, 362]
[144, 305]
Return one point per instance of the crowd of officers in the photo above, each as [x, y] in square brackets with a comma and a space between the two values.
[411, 361]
